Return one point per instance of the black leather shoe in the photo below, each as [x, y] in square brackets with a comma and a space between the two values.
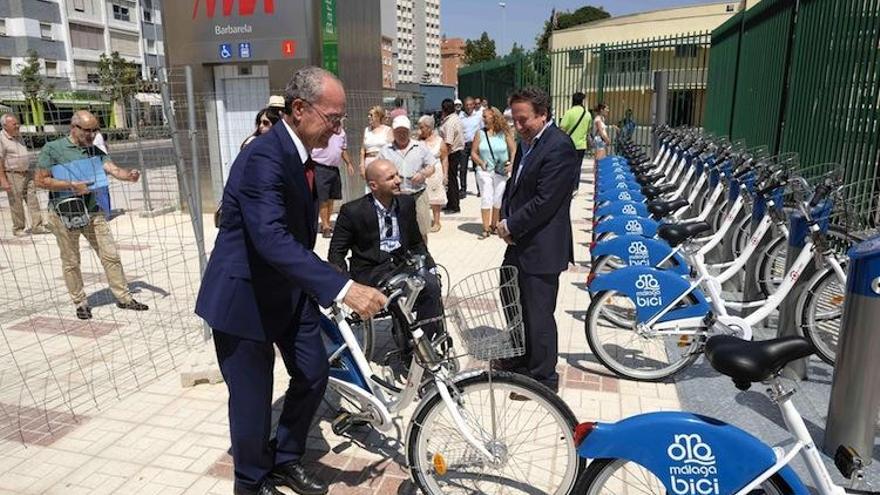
[294, 475]
[266, 488]
[132, 305]
[84, 312]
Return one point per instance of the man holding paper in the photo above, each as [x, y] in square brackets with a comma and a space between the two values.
[74, 171]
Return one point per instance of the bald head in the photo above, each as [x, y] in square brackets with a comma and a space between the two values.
[383, 180]
[83, 127]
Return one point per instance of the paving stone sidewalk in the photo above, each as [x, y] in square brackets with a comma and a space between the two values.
[147, 434]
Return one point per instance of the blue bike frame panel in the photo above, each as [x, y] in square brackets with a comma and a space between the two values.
[637, 250]
[618, 208]
[344, 368]
[627, 224]
[689, 453]
[652, 290]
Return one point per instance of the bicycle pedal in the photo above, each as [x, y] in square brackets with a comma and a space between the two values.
[684, 341]
[345, 421]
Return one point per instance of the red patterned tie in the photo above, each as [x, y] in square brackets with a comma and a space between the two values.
[310, 175]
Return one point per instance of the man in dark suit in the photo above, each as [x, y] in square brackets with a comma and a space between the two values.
[537, 226]
[378, 229]
[263, 283]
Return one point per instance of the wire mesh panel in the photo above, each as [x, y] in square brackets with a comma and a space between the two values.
[486, 314]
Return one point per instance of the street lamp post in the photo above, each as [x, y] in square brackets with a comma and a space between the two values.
[503, 6]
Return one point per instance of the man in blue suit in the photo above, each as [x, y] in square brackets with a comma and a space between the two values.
[263, 284]
[537, 226]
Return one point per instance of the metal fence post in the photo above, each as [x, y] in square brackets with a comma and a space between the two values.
[855, 389]
[145, 188]
[600, 77]
[202, 365]
[194, 152]
[661, 103]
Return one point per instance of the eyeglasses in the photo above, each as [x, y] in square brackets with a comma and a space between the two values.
[334, 120]
[93, 130]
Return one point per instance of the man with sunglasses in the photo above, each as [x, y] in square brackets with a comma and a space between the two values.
[69, 168]
[379, 229]
[263, 285]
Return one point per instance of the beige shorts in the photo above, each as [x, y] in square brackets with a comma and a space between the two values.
[423, 213]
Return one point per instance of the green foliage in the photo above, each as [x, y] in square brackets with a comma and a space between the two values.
[33, 85]
[583, 15]
[479, 50]
[118, 77]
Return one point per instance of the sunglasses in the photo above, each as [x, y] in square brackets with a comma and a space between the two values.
[334, 120]
[93, 130]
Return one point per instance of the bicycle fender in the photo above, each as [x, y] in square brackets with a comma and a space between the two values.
[617, 208]
[638, 250]
[611, 186]
[627, 224]
[689, 453]
[651, 290]
[619, 196]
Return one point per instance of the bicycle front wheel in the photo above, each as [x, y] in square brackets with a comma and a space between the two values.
[621, 477]
[529, 428]
[610, 327]
[820, 313]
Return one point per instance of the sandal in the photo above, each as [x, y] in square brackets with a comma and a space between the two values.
[485, 235]
[435, 228]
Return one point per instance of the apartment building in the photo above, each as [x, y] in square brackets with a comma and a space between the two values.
[418, 41]
[69, 36]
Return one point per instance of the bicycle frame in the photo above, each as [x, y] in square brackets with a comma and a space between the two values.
[360, 384]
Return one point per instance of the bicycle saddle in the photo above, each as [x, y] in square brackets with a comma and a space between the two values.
[749, 362]
[676, 233]
[646, 179]
[659, 208]
[652, 192]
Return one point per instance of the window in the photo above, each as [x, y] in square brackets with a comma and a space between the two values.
[120, 13]
[151, 46]
[46, 31]
[51, 68]
[93, 78]
[575, 58]
[5, 67]
[148, 16]
[686, 51]
[628, 61]
[79, 5]
[731, 8]
[87, 37]
[2, 27]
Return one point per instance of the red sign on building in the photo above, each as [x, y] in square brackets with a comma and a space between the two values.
[288, 48]
[245, 7]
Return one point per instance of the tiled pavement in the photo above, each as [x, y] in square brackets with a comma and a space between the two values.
[138, 431]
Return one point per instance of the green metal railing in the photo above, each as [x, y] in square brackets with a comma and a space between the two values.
[620, 75]
[802, 77]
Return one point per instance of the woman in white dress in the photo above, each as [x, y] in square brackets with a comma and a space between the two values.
[376, 135]
[436, 183]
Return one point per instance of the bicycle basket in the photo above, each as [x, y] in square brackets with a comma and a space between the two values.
[73, 212]
[486, 313]
[856, 209]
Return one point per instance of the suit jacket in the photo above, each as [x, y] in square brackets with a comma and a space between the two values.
[262, 266]
[537, 206]
[357, 230]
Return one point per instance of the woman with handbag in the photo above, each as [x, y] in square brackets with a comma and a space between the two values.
[492, 150]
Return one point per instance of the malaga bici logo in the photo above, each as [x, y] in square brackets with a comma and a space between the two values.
[634, 227]
[628, 210]
[696, 471]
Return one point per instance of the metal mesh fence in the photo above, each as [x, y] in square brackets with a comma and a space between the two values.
[54, 365]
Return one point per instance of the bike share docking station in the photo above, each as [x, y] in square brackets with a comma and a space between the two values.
[799, 229]
[855, 389]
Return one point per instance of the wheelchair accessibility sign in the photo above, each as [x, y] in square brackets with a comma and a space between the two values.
[225, 51]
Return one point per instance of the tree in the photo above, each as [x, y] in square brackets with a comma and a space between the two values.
[119, 80]
[480, 50]
[564, 20]
[34, 87]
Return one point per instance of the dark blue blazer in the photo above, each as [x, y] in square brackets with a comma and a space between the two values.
[537, 206]
[262, 265]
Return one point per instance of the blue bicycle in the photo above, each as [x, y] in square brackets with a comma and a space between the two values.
[685, 453]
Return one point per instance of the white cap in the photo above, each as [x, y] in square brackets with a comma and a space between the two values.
[457, 101]
[401, 121]
[276, 101]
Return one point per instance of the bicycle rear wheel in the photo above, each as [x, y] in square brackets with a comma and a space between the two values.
[771, 267]
[621, 477]
[534, 439]
[610, 327]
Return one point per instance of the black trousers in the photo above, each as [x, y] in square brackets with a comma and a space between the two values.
[538, 293]
[463, 170]
[452, 189]
[247, 367]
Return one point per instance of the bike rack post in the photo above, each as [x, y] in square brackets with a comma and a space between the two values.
[855, 389]
[735, 283]
[788, 324]
[751, 290]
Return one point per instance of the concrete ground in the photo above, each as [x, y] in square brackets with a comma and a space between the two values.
[98, 407]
